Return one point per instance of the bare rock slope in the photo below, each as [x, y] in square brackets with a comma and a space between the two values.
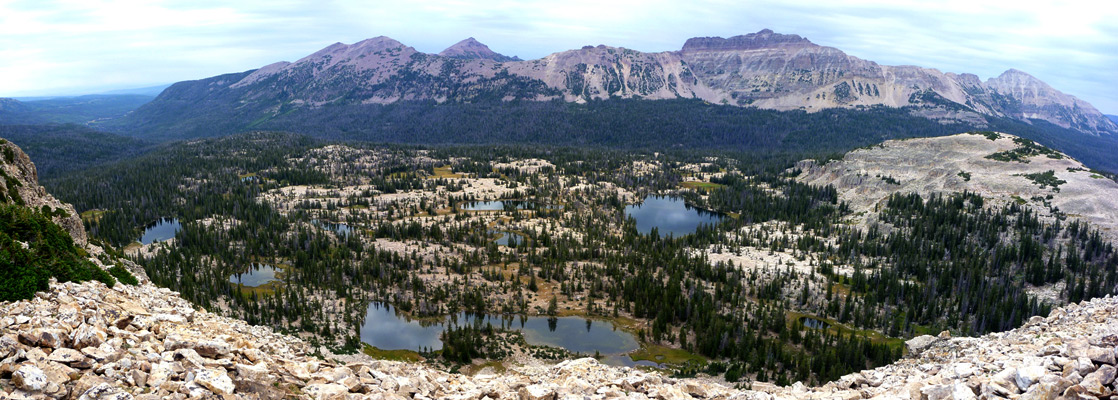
[90, 342]
[1000, 167]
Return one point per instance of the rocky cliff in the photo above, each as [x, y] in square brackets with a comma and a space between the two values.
[764, 69]
[19, 184]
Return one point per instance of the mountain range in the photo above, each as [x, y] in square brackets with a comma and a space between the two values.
[764, 70]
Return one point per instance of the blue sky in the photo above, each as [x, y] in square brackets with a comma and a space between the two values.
[73, 47]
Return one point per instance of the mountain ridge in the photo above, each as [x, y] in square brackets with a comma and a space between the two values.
[765, 70]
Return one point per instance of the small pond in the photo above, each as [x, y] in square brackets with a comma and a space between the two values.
[504, 238]
[161, 230]
[494, 205]
[257, 275]
[387, 330]
[669, 215]
[814, 323]
[338, 228]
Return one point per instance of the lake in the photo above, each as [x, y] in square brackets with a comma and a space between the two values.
[161, 230]
[669, 215]
[257, 275]
[386, 330]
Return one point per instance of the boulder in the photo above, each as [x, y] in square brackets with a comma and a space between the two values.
[536, 392]
[1029, 375]
[66, 356]
[918, 344]
[325, 391]
[29, 378]
[214, 380]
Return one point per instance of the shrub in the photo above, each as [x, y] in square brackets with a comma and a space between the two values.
[121, 274]
[49, 252]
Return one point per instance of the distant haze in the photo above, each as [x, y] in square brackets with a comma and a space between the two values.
[57, 47]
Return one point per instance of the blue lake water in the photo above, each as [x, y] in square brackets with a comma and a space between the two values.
[669, 215]
[339, 229]
[814, 323]
[493, 205]
[385, 329]
[257, 275]
[163, 229]
[504, 238]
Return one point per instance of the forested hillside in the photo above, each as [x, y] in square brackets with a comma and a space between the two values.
[60, 149]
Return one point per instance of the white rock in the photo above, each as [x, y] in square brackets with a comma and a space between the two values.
[323, 391]
[29, 378]
[1027, 376]
[214, 380]
[536, 392]
[961, 391]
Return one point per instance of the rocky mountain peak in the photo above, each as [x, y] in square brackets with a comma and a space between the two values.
[765, 38]
[1035, 99]
[470, 48]
[364, 47]
[1016, 78]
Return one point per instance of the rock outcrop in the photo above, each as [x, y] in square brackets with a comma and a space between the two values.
[19, 184]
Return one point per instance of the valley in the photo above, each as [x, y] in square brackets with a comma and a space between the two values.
[706, 263]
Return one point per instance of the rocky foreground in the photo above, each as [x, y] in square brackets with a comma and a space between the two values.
[87, 341]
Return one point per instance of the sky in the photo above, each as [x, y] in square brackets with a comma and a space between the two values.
[72, 47]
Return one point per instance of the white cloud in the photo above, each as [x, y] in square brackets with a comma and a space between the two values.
[72, 46]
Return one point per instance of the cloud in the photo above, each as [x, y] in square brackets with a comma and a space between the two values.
[69, 46]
